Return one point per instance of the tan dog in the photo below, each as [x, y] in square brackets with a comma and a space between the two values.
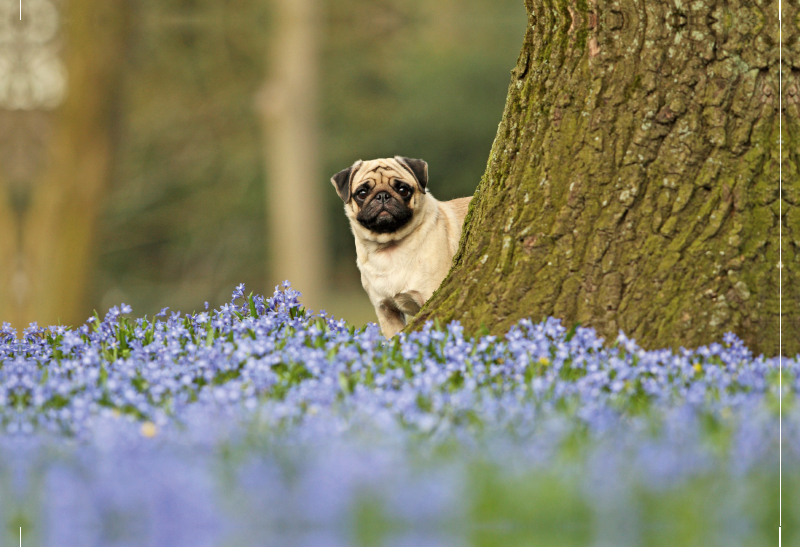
[405, 238]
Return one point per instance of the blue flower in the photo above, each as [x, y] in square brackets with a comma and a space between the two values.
[226, 389]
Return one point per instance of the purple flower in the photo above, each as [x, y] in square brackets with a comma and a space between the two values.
[272, 421]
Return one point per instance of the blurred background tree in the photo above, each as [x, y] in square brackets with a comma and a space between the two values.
[59, 99]
[290, 111]
[182, 214]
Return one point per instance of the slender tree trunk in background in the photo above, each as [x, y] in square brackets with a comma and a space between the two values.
[60, 168]
[8, 256]
[633, 182]
[288, 106]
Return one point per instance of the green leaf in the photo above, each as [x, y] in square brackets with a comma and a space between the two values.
[122, 338]
[344, 383]
[571, 331]
[210, 335]
[149, 334]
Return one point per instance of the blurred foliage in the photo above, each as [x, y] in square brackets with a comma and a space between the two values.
[184, 218]
[419, 79]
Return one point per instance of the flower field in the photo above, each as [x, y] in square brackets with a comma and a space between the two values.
[259, 423]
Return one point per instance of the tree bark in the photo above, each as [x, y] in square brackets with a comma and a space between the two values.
[633, 183]
[55, 171]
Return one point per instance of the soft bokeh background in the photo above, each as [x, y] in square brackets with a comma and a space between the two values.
[159, 152]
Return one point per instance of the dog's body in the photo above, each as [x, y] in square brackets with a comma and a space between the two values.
[400, 276]
[405, 238]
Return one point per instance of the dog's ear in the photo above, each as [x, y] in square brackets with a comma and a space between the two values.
[418, 168]
[341, 181]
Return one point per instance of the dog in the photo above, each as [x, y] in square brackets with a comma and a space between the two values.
[405, 238]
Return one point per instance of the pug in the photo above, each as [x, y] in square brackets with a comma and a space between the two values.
[405, 238]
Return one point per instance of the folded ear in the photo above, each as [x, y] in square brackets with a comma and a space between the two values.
[341, 181]
[418, 168]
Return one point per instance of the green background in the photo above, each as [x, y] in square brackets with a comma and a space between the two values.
[184, 220]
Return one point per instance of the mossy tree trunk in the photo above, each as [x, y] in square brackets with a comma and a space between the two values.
[633, 183]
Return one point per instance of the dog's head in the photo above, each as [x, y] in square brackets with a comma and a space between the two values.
[383, 195]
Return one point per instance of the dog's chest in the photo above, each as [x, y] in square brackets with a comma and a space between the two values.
[396, 270]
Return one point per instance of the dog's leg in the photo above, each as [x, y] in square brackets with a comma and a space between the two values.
[409, 302]
[390, 318]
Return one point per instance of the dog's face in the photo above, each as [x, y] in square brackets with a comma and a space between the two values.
[383, 194]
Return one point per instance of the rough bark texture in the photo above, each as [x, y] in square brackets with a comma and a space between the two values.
[633, 182]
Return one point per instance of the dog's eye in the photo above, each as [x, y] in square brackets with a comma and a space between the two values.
[362, 193]
[403, 190]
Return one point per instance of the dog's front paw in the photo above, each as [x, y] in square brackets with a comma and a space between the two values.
[409, 302]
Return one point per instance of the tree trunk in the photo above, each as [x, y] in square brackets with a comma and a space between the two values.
[633, 183]
[56, 157]
[8, 255]
[288, 106]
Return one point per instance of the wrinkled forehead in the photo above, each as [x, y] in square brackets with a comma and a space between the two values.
[381, 171]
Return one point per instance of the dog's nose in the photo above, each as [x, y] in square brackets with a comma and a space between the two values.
[383, 197]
